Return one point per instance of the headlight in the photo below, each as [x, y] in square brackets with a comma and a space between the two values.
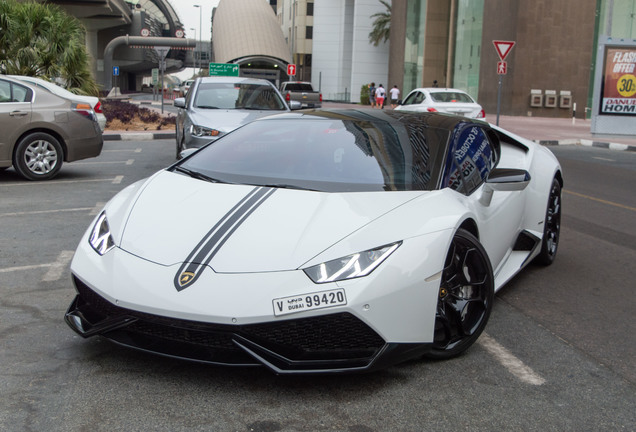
[352, 266]
[200, 131]
[100, 238]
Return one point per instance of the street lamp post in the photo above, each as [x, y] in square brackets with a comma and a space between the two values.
[194, 68]
[200, 28]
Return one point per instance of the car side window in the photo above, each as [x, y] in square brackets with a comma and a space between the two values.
[20, 94]
[414, 98]
[10, 92]
[5, 91]
[470, 161]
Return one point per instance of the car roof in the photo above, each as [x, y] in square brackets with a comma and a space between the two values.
[54, 88]
[439, 89]
[426, 119]
[38, 92]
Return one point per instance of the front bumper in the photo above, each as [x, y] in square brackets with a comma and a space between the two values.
[333, 343]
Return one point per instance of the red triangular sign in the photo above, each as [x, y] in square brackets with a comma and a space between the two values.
[503, 48]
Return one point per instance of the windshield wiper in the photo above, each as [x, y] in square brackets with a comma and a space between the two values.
[207, 107]
[289, 186]
[197, 175]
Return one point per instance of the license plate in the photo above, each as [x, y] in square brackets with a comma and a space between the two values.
[311, 301]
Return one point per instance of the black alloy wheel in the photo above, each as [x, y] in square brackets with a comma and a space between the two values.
[465, 299]
[552, 226]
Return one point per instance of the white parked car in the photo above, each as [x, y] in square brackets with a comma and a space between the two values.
[62, 92]
[320, 241]
[446, 100]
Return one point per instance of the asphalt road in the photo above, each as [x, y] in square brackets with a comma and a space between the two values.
[558, 353]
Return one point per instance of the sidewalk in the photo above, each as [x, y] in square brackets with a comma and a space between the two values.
[543, 130]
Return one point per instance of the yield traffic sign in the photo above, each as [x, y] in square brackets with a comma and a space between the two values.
[503, 48]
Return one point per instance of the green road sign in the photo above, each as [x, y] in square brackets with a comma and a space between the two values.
[224, 69]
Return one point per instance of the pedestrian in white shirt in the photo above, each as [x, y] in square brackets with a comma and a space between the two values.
[395, 96]
[380, 94]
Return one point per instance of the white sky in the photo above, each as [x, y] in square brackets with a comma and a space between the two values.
[189, 16]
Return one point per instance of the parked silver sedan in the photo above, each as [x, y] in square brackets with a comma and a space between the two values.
[215, 106]
[41, 130]
[445, 100]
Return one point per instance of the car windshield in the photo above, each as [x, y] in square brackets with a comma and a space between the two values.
[238, 96]
[451, 97]
[326, 154]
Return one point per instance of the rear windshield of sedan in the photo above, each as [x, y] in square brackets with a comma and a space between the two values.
[331, 155]
[238, 96]
[451, 97]
[299, 87]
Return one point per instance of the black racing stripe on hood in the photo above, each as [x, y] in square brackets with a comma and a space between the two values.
[212, 242]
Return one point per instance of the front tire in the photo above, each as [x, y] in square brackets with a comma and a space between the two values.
[552, 226]
[465, 298]
[38, 156]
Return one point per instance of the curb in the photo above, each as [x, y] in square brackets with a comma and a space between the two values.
[588, 143]
[139, 136]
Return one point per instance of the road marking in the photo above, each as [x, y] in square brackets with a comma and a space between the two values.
[55, 268]
[126, 162]
[603, 159]
[600, 200]
[98, 208]
[118, 179]
[137, 150]
[515, 366]
[54, 182]
[25, 213]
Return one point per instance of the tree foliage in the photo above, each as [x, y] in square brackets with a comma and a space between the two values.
[41, 40]
[381, 25]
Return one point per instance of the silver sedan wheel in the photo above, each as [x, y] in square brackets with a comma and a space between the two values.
[40, 157]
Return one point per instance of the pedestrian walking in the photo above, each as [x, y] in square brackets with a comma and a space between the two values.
[372, 94]
[395, 96]
[380, 94]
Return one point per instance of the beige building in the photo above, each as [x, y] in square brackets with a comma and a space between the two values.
[296, 19]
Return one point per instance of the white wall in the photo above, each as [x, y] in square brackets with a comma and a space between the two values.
[343, 58]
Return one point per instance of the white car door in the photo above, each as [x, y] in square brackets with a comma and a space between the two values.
[499, 218]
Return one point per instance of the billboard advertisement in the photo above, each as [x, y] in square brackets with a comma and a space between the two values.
[619, 81]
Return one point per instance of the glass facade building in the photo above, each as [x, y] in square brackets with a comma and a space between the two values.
[468, 40]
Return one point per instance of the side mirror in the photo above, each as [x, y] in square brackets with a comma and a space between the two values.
[179, 103]
[187, 152]
[504, 179]
[295, 105]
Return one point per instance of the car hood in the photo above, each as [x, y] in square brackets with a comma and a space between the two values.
[174, 215]
[225, 120]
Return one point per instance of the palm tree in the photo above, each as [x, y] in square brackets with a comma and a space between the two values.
[381, 25]
[41, 40]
